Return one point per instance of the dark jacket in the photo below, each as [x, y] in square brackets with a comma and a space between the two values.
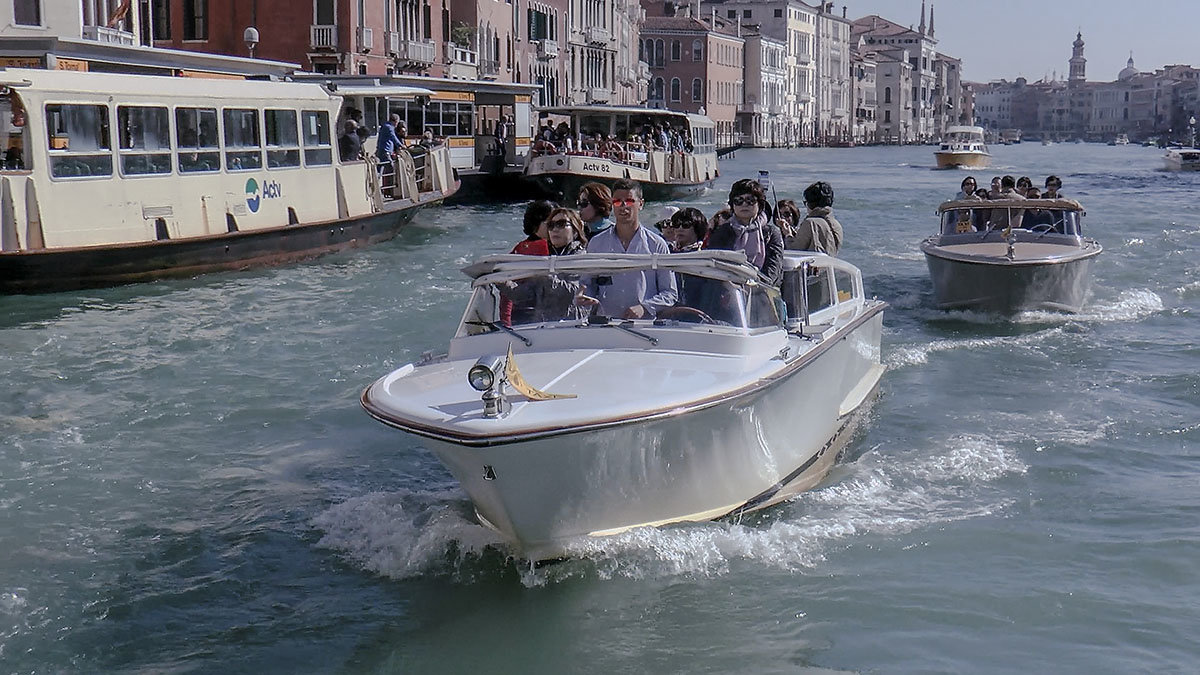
[724, 236]
[349, 147]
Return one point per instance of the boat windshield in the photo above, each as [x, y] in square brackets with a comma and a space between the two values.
[1034, 217]
[552, 298]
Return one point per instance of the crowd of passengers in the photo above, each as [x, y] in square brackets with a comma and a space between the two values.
[562, 139]
[609, 221]
[1009, 188]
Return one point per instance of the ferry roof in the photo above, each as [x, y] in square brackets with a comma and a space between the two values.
[1058, 204]
[431, 83]
[971, 130]
[120, 84]
[619, 110]
[397, 90]
[715, 264]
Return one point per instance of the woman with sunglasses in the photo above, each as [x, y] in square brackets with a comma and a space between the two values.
[969, 187]
[565, 233]
[686, 230]
[819, 231]
[595, 206]
[751, 230]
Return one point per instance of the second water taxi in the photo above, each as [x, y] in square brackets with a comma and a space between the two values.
[963, 146]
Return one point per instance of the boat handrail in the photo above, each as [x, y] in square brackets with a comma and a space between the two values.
[1052, 204]
[715, 264]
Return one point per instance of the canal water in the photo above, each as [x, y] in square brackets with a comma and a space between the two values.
[188, 484]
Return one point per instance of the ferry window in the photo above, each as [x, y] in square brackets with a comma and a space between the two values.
[283, 139]
[12, 131]
[241, 133]
[144, 137]
[465, 119]
[78, 137]
[197, 140]
[317, 150]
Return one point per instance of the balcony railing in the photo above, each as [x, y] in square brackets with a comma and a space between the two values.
[547, 49]
[456, 54]
[626, 75]
[596, 35]
[417, 51]
[643, 71]
[489, 68]
[599, 95]
[323, 37]
[108, 35]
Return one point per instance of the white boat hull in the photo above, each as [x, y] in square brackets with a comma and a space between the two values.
[732, 455]
[1182, 160]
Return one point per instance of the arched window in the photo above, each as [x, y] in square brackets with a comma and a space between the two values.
[697, 50]
[658, 89]
[658, 53]
[675, 89]
[641, 50]
[887, 94]
[676, 50]
[697, 90]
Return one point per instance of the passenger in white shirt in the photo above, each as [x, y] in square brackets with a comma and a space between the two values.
[629, 295]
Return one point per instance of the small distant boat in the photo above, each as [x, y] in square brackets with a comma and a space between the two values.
[720, 405]
[1009, 256]
[963, 146]
[1182, 159]
[1010, 136]
[1121, 139]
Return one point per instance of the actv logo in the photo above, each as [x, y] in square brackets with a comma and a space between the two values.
[270, 190]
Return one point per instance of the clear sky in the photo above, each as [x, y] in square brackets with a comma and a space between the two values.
[1032, 38]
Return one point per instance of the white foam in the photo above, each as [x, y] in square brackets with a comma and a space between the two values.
[907, 355]
[1130, 305]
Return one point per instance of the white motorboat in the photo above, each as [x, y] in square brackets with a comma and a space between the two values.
[1011, 255]
[1182, 159]
[963, 146]
[561, 427]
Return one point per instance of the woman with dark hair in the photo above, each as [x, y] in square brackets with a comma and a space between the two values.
[969, 188]
[750, 229]
[819, 231]
[686, 230]
[534, 243]
[564, 232]
[595, 206]
[787, 217]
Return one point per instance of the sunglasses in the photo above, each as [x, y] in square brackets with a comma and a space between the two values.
[673, 226]
[558, 224]
[583, 203]
[745, 200]
[624, 202]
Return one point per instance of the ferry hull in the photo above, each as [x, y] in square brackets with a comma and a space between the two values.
[549, 495]
[1005, 287]
[49, 270]
[967, 160]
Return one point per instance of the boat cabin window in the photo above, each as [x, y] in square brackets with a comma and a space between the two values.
[12, 131]
[144, 139]
[197, 140]
[242, 141]
[283, 138]
[317, 149]
[843, 282]
[78, 140]
[1060, 221]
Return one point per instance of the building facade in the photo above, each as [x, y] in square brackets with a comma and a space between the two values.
[763, 116]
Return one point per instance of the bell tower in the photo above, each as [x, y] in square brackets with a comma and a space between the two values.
[1078, 63]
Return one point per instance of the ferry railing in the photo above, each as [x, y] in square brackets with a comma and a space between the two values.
[631, 153]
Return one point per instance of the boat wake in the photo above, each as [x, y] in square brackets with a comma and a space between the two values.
[909, 355]
[404, 535]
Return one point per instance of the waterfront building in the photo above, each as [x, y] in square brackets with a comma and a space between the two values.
[603, 64]
[947, 92]
[863, 91]
[920, 46]
[110, 36]
[696, 66]
[893, 86]
[763, 118]
[832, 52]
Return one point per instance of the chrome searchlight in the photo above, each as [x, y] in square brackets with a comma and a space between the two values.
[487, 375]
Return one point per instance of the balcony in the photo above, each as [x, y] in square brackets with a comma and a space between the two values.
[107, 35]
[643, 71]
[626, 75]
[774, 110]
[547, 49]
[366, 39]
[599, 95]
[803, 59]
[596, 35]
[323, 37]
[749, 108]
[419, 52]
[456, 54]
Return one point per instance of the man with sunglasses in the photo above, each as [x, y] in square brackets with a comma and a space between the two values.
[629, 295]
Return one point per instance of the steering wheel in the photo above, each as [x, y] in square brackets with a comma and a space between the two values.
[685, 314]
[1045, 228]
